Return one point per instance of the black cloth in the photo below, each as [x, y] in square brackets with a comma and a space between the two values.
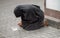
[32, 16]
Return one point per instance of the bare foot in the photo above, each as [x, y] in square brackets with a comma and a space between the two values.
[45, 22]
[20, 24]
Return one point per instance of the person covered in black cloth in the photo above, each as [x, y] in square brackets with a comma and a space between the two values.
[32, 16]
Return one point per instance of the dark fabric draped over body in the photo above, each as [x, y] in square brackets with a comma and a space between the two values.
[32, 16]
